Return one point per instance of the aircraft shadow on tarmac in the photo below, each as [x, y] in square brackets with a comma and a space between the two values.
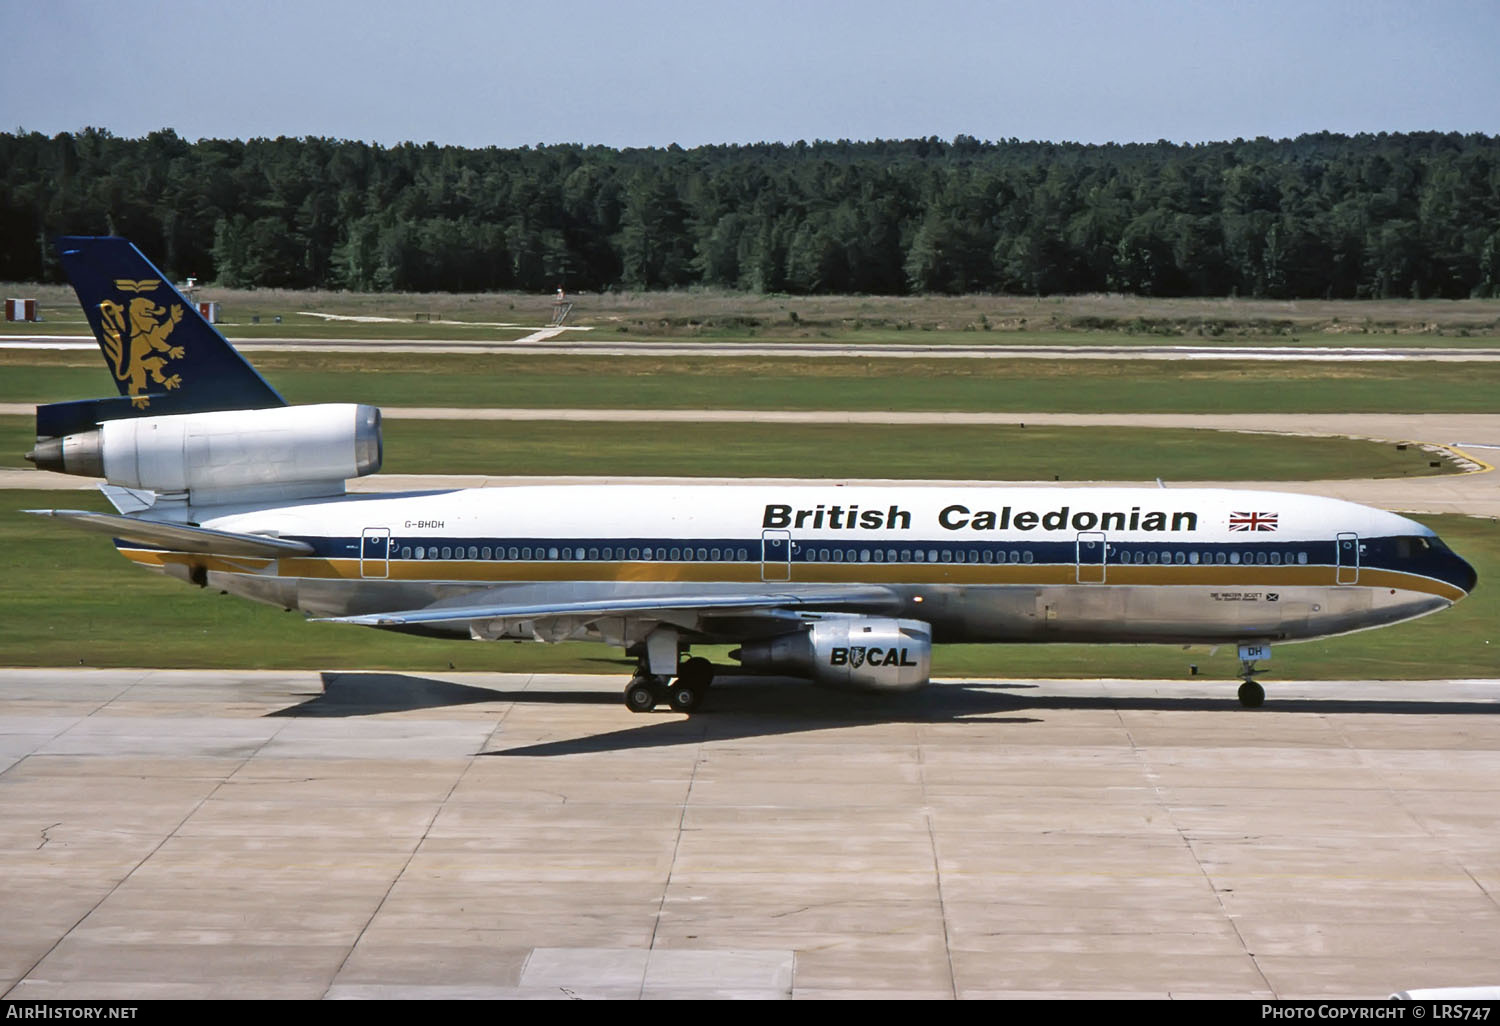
[745, 707]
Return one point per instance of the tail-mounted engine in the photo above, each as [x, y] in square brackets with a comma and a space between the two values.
[867, 653]
[225, 455]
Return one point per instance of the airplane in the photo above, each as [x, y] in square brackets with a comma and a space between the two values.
[218, 482]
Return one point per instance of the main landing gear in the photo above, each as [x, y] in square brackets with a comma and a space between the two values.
[685, 694]
[1252, 695]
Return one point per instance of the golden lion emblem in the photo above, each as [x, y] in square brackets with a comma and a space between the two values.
[135, 343]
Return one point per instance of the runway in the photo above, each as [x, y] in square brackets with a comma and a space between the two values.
[205, 834]
[541, 343]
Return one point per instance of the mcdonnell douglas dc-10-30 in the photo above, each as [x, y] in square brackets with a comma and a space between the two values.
[220, 483]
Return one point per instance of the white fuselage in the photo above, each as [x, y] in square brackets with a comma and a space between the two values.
[977, 563]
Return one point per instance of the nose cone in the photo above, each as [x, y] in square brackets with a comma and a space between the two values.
[1466, 578]
[1461, 574]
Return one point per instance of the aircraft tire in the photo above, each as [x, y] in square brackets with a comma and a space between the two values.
[640, 695]
[684, 698]
[696, 672]
[1252, 695]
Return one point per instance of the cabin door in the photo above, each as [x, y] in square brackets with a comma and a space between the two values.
[776, 555]
[1348, 559]
[1091, 549]
[375, 552]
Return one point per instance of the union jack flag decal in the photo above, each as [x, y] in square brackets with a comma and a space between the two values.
[1252, 521]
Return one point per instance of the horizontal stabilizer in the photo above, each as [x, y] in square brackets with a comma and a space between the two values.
[639, 606]
[177, 537]
[128, 500]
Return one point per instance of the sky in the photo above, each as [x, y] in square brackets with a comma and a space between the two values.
[641, 73]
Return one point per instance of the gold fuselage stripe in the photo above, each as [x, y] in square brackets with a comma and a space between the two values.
[490, 572]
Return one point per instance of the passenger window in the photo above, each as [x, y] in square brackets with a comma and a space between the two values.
[1302, 558]
[906, 555]
[714, 555]
[551, 553]
[406, 552]
[703, 555]
[1015, 557]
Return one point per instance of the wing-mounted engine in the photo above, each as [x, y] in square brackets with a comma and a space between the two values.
[235, 455]
[865, 653]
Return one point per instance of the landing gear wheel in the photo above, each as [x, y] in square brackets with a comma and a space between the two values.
[1252, 695]
[683, 697]
[696, 672]
[640, 695]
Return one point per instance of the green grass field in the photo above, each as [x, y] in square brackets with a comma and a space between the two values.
[764, 383]
[907, 452]
[74, 602]
[79, 603]
[903, 452]
[725, 315]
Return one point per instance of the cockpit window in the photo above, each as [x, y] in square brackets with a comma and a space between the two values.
[1414, 546]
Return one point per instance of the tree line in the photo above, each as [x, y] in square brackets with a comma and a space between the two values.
[1324, 215]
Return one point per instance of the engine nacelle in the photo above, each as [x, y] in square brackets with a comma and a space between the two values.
[868, 653]
[224, 452]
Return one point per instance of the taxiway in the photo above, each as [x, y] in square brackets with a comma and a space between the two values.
[205, 834]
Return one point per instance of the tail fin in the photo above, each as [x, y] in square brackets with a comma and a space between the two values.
[165, 358]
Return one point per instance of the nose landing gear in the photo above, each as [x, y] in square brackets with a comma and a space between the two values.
[1252, 695]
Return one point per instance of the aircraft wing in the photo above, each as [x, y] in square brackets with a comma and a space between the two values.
[767, 603]
[177, 537]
